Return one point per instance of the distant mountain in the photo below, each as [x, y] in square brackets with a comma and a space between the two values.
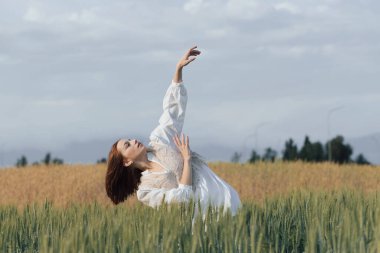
[76, 152]
[93, 150]
[368, 145]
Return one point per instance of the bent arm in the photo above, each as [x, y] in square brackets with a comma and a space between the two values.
[153, 197]
[186, 173]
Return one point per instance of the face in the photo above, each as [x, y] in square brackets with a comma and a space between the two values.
[131, 150]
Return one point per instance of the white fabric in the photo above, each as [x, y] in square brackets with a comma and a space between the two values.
[173, 116]
[153, 197]
[207, 187]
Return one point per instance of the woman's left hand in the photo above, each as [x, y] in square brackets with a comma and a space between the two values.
[186, 57]
[183, 146]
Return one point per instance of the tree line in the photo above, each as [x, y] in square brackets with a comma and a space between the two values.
[47, 160]
[334, 150]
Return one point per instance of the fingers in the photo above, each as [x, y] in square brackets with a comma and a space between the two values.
[188, 52]
[190, 60]
[177, 141]
[189, 56]
[181, 142]
[192, 51]
[195, 52]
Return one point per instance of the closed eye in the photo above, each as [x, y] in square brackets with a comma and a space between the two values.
[126, 143]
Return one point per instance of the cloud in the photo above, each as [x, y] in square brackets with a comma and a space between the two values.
[86, 17]
[93, 65]
[298, 50]
[33, 15]
[245, 9]
[288, 7]
[193, 6]
[55, 103]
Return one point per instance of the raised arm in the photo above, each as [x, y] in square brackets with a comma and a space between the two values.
[174, 104]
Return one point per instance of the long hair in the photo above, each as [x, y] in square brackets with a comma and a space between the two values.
[121, 181]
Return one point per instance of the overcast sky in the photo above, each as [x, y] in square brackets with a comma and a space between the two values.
[81, 70]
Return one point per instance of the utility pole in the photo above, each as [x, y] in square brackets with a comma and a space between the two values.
[255, 134]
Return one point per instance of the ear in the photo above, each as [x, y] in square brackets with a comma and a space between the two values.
[126, 164]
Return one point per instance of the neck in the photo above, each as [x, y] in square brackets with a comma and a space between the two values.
[143, 164]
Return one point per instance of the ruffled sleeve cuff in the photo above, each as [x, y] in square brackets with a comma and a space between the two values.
[185, 186]
[176, 84]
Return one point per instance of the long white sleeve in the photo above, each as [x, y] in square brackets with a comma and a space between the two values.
[153, 197]
[173, 116]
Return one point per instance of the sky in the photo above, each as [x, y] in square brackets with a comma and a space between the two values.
[76, 71]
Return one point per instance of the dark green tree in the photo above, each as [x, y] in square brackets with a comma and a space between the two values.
[22, 162]
[340, 152]
[318, 152]
[57, 161]
[102, 160]
[269, 155]
[360, 159]
[236, 157]
[307, 151]
[291, 151]
[47, 159]
[254, 157]
[311, 152]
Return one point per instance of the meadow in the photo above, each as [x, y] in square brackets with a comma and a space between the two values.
[287, 207]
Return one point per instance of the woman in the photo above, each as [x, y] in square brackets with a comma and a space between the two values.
[167, 169]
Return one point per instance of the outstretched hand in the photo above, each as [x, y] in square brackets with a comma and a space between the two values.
[186, 59]
[183, 146]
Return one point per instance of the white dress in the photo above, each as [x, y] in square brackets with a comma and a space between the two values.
[207, 188]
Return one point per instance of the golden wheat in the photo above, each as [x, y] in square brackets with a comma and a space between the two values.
[63, 184]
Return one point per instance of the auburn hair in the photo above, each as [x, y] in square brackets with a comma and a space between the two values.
[121, 181]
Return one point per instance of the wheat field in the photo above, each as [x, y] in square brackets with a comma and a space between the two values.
[287, 207]
[66, 184]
